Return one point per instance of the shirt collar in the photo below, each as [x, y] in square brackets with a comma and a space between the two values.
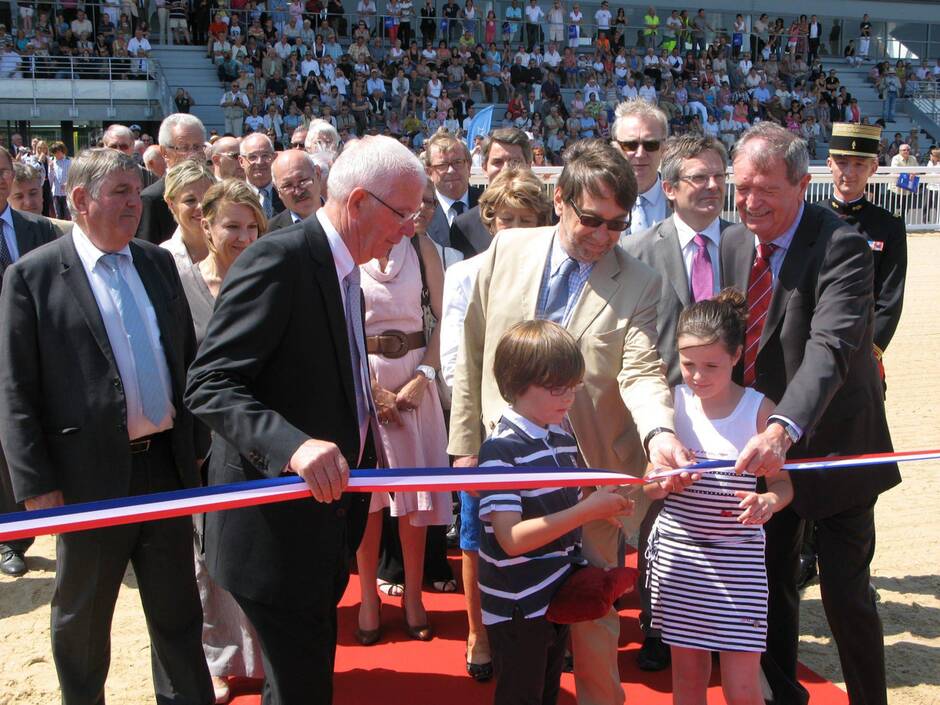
[89, 253]
[559, 256]
[447, 202]
[7, 217]
[783, 241]
[342, 259]
[687, 234]
[654, 194]
[529, 428]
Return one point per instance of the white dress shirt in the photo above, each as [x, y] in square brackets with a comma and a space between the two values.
[459, 280]
[447, 204]
[9, 233]
[686, 235]
[138, 425]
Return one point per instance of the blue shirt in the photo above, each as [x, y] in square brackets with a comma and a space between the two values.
[556, 258]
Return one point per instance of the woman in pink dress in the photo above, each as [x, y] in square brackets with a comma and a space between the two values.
[403, 366]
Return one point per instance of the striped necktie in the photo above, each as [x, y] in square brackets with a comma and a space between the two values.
[759, 292]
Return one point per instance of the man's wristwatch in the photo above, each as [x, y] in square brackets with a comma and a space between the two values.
[655, 432]
[427, 371]
[792, 433]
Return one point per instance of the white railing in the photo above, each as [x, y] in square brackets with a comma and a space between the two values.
[920, 208]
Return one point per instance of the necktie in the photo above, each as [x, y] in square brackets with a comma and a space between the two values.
[149, 384]
[6, 259]
[759, 292]
[265, 194]
[557, 300]
[703, 279]
[456, 209]
[357, 346]
[640, 221]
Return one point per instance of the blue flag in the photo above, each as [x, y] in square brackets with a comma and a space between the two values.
[480, 125]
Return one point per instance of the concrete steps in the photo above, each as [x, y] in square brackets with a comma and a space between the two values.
[188, 67]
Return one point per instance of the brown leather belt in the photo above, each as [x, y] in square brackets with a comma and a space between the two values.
[394, 343]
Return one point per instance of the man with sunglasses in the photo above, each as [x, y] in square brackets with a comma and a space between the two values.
[638, 132]
[575, 274]
[182, 136]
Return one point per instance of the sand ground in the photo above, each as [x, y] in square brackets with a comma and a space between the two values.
[905, 570]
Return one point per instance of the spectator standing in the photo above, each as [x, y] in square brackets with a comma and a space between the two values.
[534, 14]
[58, 176]
[864, 39]
[602, 18]
[234, 107]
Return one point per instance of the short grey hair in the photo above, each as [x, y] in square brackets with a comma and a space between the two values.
[164, 138]
[677, 150]
[92, 166]
[151, 153]
[23, 173]
[116, 130]
[323, 160]
[377, 164]
[637, 107]
[780, 144]
[317, 128]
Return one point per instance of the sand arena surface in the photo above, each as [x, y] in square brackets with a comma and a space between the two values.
[905, 570]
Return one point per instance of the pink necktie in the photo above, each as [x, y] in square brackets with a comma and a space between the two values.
[703, 279]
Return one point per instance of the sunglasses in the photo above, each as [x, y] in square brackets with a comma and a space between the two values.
[633, 145]
[592, 221]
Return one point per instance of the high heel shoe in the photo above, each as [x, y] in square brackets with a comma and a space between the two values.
[480, 672]
[368, 637]
[422, 632]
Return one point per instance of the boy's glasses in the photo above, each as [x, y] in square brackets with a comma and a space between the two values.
[562, 391]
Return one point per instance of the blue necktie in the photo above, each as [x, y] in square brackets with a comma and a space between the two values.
[357, 344]
[557, 300]
[149, 384]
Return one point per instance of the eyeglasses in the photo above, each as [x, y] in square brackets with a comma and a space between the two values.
[258, 157]
[592, 221]
[296, 145]
[633, 145]
[299, 186]
[699, 180]
[562, 391]
[442, 168]
[186, 149]
[230, 155]
[404, 216]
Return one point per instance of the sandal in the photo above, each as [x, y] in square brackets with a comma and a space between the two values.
[390, 589]
[449, 585]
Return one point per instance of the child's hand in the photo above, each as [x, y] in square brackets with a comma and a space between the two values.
[606, 502]
[758, 508]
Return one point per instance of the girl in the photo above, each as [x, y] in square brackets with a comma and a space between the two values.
[707, 580]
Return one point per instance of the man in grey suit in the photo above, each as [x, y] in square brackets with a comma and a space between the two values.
[447, 160]
[683, 249]
[20, 232]
[95, 343]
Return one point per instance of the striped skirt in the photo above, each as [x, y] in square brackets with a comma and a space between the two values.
[709, 596]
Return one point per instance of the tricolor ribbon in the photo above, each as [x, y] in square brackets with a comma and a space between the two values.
[164, 505]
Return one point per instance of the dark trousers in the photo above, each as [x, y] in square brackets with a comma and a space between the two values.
[7, 505]
[90, 568]
[845, 544]
[646, 526]
[528, 655]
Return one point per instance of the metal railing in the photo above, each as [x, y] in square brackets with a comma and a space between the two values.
[925, 95]
[920, 208]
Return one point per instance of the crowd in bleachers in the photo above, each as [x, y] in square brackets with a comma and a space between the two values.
[409, 71]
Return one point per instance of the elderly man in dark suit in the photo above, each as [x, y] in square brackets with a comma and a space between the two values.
[683, 249]
[21, 232]
[297, 177]
[282, 379]
[808, 347]
[94, 348]
[182, 136]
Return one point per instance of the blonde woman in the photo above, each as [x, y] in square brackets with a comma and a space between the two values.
[516, 198]
[185, 186]
[231, 219]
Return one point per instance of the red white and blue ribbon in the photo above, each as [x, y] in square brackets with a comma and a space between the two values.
[164, 505]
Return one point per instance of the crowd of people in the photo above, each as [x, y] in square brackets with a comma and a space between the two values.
[245, 311]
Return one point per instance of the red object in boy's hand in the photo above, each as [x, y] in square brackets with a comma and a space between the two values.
[589, 593]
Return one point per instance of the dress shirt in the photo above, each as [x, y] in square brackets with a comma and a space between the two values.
[459, 280]
[294, 218]
[448, 203]
[649, 209]
[344, 264]
[686, 235]
[556, 258]
[9, 233]
[783, 242]
[138, 425]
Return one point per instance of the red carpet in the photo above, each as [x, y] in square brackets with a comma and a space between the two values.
[400, 671]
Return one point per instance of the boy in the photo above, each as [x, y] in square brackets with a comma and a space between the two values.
[531, 539]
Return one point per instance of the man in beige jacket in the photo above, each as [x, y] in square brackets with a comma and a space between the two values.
[576, 274]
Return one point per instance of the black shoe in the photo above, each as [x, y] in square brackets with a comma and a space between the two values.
[568, 665]
[654, 655]
[808, 571]
[453, 534]
[12, 563]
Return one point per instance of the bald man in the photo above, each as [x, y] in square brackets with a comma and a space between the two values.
[121, 138]
[224, 156]
[255, 154]
[298, 180]
[154, 161]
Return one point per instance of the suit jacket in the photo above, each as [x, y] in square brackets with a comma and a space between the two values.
[468, 234]
[62, 404]
[274, 371]
[614, 321]
[280, 221]
[31, 231]
[815, 356]
[659, 248]
[157, 223]
[440, 230]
